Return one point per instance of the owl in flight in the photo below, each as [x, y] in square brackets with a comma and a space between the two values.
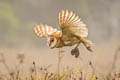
[72, 31]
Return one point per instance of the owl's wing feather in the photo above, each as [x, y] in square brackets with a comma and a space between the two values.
[44, 30]
[70, 23]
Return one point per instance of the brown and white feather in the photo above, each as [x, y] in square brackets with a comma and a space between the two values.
[44, 30]
[69, 21]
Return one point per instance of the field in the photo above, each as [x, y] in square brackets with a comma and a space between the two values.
[46, 64]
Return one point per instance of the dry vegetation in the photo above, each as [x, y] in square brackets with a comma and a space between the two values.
[68, 73]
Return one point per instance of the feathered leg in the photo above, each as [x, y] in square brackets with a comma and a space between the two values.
[88, 44]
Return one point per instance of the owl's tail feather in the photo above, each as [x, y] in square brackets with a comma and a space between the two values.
[88, 44]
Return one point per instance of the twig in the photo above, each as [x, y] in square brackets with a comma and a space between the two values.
[115, 58]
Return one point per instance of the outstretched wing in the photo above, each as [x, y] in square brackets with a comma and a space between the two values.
[70, 23]
[44, 30]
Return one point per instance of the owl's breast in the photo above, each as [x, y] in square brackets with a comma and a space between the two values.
[70, 40]
[59, 43]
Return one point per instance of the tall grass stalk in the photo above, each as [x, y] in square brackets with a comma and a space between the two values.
[60, 55]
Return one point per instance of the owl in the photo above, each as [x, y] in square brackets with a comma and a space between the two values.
[72, 31]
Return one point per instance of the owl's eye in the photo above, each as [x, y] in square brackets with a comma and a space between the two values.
[51, 40]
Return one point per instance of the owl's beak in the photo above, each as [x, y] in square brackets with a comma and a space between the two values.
[49, 44]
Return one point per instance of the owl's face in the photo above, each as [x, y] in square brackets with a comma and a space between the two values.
[52, 41]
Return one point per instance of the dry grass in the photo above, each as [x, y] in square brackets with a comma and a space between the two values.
[68, 73]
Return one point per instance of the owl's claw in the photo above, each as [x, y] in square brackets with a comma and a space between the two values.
[75, 52]
[89, 48]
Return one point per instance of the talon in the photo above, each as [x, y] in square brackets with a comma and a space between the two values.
[89, 48]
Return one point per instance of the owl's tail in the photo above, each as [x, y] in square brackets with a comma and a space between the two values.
[88, 44]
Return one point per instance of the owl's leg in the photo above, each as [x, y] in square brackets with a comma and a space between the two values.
[77, 45]
[87, 46]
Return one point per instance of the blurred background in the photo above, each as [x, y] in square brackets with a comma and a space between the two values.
[17, 18]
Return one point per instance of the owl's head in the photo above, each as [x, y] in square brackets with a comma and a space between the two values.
[52, 34]
[52, 41]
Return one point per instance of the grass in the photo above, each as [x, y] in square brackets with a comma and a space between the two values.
[67, 73]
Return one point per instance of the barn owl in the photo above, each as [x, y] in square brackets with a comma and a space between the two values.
[72, 31]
